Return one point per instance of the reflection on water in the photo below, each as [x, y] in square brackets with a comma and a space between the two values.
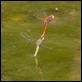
[40, 71]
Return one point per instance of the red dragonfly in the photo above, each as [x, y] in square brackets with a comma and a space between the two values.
[47, 20]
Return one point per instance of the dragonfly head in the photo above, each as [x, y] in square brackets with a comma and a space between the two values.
[52, 16]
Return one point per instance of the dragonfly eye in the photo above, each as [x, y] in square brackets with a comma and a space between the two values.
[43, 38]
[52, 16]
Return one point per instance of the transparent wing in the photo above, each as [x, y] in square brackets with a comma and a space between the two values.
[30, 39]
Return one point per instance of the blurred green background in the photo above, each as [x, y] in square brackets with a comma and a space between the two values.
[59, 57]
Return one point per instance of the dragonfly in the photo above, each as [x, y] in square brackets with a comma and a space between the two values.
[46, 20]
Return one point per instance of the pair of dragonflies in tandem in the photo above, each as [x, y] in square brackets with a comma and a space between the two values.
[46, 21]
